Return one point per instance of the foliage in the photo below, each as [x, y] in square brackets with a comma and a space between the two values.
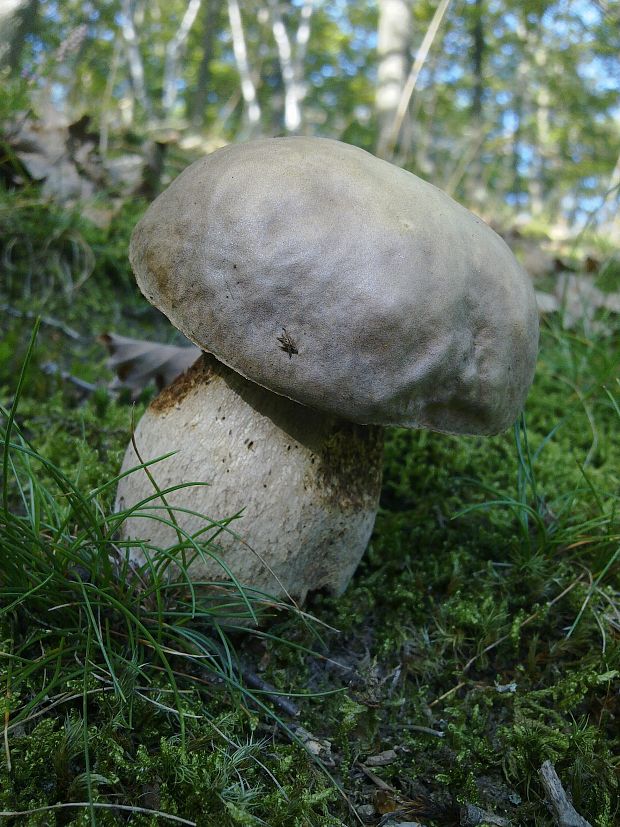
[515, 107]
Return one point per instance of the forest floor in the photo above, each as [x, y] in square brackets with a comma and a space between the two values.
[479, 638]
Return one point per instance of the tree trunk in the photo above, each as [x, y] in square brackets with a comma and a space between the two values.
[518, 105]
[248, 88]
[291, 58]
[104, 127]
[211, 10]
[17, 20]
[134, 58]
[393, 45]
[174, 51]
[538, 180]
[389, 136]
[478, 59]
[475, 189]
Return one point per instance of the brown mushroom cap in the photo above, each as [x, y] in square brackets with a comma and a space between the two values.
[343, 282]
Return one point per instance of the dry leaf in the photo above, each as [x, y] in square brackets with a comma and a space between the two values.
[137, 362]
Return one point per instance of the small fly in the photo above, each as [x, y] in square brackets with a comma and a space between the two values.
[287, 343]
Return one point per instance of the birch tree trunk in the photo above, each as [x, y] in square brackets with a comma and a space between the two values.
[134, 58]
[248, 88]
[538, 180]
[517, 135]
[292, 58]
[174, 51]
[391, 131]
[18, 18]
[393, 44]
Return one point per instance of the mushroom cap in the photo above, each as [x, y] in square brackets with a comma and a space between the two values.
[343, 282]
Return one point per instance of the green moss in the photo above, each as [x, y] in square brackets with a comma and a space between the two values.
[478, 639]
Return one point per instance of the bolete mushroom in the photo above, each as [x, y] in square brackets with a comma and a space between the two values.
[333, 293]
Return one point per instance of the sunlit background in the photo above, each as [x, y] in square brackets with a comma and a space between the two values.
[511, 107]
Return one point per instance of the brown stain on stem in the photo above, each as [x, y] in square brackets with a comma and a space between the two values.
[346, 457]
[350, 465]
[200, 373]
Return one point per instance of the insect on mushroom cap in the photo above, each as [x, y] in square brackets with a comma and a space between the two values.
[343, 282]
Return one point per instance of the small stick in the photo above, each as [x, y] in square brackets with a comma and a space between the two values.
[426, 730]
[46, 320]
[448, 693]
[52, 369]
[253, 680]
[471, 816]
[7, 749]
[564, 812]
[378, 782]
[126, 808]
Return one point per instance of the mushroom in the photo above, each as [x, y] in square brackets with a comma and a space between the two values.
[333, 294]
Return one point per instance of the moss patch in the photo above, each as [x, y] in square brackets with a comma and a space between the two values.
[480, 637]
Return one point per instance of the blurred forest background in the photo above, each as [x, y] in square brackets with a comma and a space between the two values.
[511, 107]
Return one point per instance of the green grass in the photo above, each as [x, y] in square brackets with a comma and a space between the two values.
[480, 637]
[81, 625]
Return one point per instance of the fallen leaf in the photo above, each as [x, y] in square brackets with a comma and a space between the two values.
[137, 362]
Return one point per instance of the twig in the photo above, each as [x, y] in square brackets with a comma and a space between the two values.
[7, 713]
[46, 320]
[426, 730]
[564, 812]
[125, 807]
[448, 693]
[378, 782]
[52, 369]
[253, 680]
[497, 642]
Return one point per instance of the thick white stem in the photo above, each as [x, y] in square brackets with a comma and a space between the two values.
[307, 484]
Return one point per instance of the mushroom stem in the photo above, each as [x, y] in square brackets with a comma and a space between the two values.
[308, 483]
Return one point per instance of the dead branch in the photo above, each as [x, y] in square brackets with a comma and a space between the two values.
[563, 811]
[46, 320]
[256, 682]
[52, 369]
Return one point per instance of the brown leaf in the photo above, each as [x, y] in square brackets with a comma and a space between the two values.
[137, 362]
